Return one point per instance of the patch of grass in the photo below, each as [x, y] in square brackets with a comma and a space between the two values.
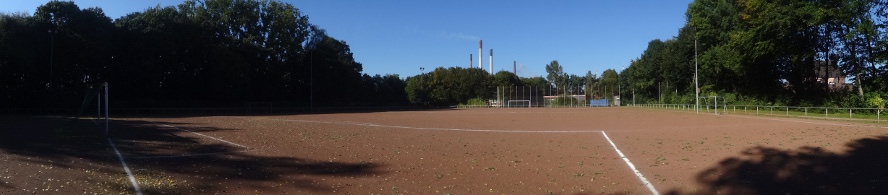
[660, 160]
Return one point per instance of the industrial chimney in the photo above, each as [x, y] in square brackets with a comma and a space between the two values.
[479, 53]
[491, 62]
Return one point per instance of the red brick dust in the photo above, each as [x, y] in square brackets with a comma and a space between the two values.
[475, 151]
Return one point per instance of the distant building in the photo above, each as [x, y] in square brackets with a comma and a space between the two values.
[830, 74]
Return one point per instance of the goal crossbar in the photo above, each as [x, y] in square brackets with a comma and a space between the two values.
[509, 103]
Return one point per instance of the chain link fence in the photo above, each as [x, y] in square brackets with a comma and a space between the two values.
[855, 114]
[544, 96]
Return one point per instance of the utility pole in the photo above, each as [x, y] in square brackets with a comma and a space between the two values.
[52, 33]
[696, 82]
[311, 82]
[620, 86]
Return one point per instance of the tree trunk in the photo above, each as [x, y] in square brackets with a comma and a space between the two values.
[859, 85]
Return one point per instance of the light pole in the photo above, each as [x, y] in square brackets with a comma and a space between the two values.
[52, 33]
[696, 82]
[311, 81]
[619, 85]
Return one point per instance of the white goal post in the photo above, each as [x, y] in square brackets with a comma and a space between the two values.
[510, 103]
[716, 102]
[99, 92]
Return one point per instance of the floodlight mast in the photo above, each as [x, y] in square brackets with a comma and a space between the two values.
[620, 86]
[696, 82]
[106, 108]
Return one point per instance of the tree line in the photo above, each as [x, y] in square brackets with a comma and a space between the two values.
[770, 52]
[457, 85]
[198, 53]
[228, 52]
[748, 52]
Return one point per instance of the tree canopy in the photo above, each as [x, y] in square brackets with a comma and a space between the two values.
[228, 52]
[769, 51]
[198, 53]
[450, 86]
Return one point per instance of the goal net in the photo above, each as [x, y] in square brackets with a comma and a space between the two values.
[713, 104]
[518, 103]
[95, 99]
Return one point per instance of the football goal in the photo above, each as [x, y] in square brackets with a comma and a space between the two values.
[716, 104]
[518, 103]
[96, 96]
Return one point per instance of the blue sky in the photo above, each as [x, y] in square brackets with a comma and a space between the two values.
[399, 37]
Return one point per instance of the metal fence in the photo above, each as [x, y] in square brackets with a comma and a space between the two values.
[539, 96]
[856, 114]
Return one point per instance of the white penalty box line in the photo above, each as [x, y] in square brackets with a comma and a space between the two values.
[207, 136]
[637, 173]
[131, 177]
[245, 148]
[632, 166]
[431, 128]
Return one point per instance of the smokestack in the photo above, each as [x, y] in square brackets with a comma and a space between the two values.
[470, 61]
[491, 62]
[479, 53]
[515, 67]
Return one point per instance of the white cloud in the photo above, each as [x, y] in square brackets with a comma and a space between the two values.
[523, 70]
[459, 36]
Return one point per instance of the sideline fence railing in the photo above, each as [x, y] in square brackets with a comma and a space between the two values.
[856, 114]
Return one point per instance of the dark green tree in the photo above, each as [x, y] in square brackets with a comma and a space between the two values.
[506, 78]
[555, 74]
[450, 86]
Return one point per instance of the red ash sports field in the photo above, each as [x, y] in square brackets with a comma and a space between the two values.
[475, 151]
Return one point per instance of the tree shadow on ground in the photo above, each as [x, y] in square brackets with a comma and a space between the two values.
[196, 112]
[861, 169]
[158, 152]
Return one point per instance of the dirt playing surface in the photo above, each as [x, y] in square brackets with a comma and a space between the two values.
[475, 151]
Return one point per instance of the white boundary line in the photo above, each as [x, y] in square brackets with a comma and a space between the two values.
[638, 174]
[189, 155]
[207, 136]
[632, 166]
[126, 168]
[433, 128]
